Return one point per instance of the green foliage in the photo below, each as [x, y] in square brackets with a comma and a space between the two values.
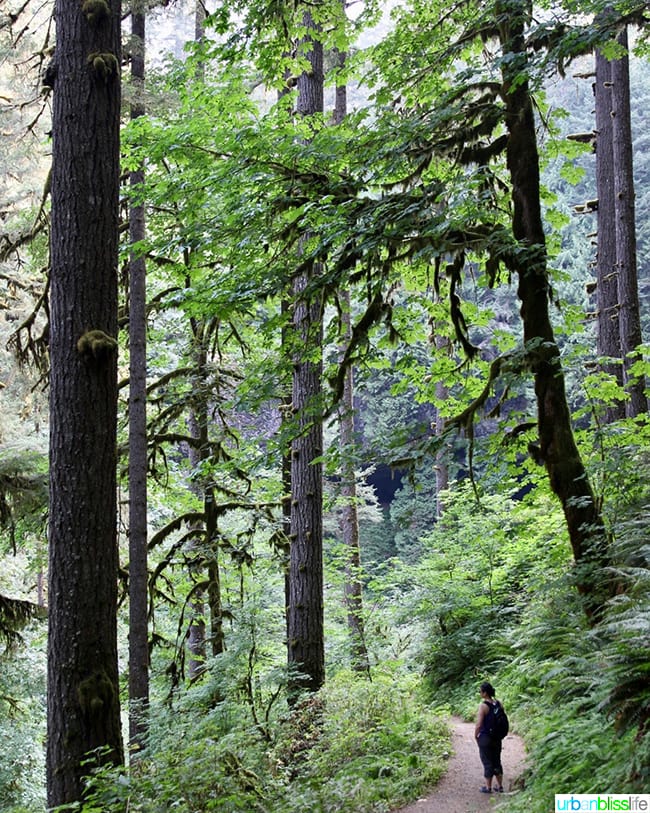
[582, 697]
[406, 205]
[22, 725]
[413, 512]
[23, 510]
[483, 561]
[357, 746]
[23, 487]
[575, 688]
[379, 745]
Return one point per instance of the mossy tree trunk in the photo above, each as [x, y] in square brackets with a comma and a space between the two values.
[199, 452]
[557, 447]
[629, 320]
[349, 523]
[306, 648]
[83, 691]
[609, 345]
[204, 548]
[138, 572]
[198, 428]
[442, 456]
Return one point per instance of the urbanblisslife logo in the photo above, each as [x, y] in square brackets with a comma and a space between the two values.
[603, 802]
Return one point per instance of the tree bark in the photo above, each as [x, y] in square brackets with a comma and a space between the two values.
[215, 603]
[305, 613]
[83, 688]
[306, 649]
[349, 524]
[442, 466]
[206, 549]
[609, 345]
[625, 220]
[557, 447]
[198, 429]
[285, 422]
[198, 425]
[206, 555]
[138, 573]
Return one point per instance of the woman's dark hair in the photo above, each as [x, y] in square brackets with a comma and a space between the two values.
[488, 688]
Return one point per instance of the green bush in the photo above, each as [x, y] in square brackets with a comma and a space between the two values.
[581, 695]
[379, 746]
[22, 724]
[357, 746]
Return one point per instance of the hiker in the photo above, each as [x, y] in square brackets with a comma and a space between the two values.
[489, 736]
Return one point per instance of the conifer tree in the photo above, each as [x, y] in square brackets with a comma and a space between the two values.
[306, 649]
[138, 572]
[609, 344]
[557, 449]
[349, 522]
[629, 320]
[83, 687]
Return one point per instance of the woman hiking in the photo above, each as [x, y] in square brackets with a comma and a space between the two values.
[489, 743]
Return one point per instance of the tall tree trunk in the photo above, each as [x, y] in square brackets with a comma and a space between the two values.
[557, 447]
[442, 466]
[196, 643]
[138, 575]
[199, 23]
[353, 587]
[83, 688]
[217, 642]
[628, 290]
[206, 551]
[609, 345]
[197, 427]
[306, 649]
[285, 423]
[286, 418]
[349, 523]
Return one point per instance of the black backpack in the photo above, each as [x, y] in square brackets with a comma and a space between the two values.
[496, 721]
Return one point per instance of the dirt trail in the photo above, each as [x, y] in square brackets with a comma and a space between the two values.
[458, 790]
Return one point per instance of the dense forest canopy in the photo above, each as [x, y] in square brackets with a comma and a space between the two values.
[341, 314]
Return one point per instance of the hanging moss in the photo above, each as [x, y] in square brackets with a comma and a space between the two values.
[96, 344]
[104, 65]
[96, 694]
[95, 11]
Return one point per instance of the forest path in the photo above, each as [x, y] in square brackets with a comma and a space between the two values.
[458, 790]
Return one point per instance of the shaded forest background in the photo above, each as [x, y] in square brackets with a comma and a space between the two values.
[465, 566]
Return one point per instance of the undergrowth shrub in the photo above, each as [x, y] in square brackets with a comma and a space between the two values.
[356, 747]
[580, 696]
[379, 745]
[583, 694]
[485, 560]
[22, 724]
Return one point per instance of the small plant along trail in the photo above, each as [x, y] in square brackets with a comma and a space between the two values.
[458, 790]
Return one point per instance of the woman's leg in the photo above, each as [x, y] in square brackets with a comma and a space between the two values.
[485, 754]
[496, 764]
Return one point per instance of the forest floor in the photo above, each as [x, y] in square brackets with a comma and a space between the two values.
[458, 790]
